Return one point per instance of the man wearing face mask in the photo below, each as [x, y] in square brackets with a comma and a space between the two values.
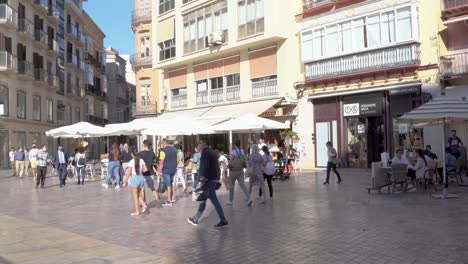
[60, 163]
[42, 157]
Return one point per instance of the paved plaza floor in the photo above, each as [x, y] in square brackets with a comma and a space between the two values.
[306, 222]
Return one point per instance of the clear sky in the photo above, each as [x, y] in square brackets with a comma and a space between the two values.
[113, 17]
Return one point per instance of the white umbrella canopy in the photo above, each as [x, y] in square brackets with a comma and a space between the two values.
[180, 125]
[249, 123]
[78, 130]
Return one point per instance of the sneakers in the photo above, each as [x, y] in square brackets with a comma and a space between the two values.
[222, 224]
[192, 221]
[105, 185]
[167, 204]
[117, 187]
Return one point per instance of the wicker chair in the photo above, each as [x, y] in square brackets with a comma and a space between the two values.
[398, 176]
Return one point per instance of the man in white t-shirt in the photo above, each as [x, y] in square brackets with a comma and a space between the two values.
[33, 159]
[261, 143]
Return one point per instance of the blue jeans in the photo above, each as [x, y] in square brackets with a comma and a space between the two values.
[211, 189]
[196, 179]
[80, 172]
[114, 167]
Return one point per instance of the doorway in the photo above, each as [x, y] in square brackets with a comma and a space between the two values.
[376, 139]
[365, 141]
[324, 132]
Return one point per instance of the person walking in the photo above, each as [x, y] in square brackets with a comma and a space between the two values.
[195, 171]
[209, 179]
[332, 161]
[135, 179]
[26, 162]
[42, 158]
[114, 167]
[167, 168]
[269, 170]
[147, 155]
[126, 157]
[455, 144]
[60, 163]
[12, 165]
[180, 175]
[33, 160]
[237, 164]
[80, 161]
[19, 162]
[255, 168]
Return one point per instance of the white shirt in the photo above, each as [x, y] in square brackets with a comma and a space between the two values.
[131, 164]
[77, 157]
[397, 160]
[33, 153]
[260, 146]
[12, 156]
[61, 157]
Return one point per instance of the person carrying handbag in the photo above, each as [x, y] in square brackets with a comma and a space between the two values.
[268, 170]
[237, 164]
[332, 161]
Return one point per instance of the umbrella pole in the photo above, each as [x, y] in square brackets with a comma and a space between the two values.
[444, 194]
[230, 142]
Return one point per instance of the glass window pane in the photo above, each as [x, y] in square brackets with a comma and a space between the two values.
[259, 9]
[331, 45]
[250, 10]
[359, 35]
[317, 50]
[224, 19]
[4, 100]
[208, 24]
[373, 30]
[242, 13]
[346, 37]
[388, 27]
[403, 22]
[307, 45]
[201, 27]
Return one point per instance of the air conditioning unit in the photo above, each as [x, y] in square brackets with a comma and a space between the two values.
[216, 38]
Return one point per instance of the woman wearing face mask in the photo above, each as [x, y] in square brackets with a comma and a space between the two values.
[42, 158]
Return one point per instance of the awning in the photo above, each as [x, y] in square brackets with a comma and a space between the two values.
[365, 90]
[456, 19]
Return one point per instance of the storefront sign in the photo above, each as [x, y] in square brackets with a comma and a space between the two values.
[407, 90]
[351, 109]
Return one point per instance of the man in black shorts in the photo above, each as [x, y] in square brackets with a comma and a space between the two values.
[147, 155]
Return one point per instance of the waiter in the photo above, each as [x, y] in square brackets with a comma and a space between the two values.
[60, 163]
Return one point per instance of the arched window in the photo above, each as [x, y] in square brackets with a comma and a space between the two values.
[4, 102]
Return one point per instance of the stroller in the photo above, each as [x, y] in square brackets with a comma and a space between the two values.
[282, 173]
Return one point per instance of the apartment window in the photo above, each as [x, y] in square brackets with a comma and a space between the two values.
[167, 49]
[201, 86]
[21, 139]
[200, 24]
[36, 108]
[90, 76]
[104, 110]
[166, 6]
[145, 45]
[145, 93]
[69, 114]
[50, 110]
[233, 80]
[77, 114]
[4, 100]
[21, 105]
[60, 112]
[374, 30]
[86, 107]
[251, 17]
[217, 83]
[179, 91]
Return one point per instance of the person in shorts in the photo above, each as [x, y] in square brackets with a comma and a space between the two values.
[167, 168]
[135, 179]
[147, 155]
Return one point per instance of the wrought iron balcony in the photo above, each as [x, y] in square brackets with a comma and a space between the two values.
[40, 37]
[72, 30]
[8, 61]
[42, 5]
[137, 60]
[25, 27]
[25, 68]
[53, 13]
[202, 97]
[72, 59]
[454, 65]
[455, 8]
[233, 93]
[140, 16]
[308, 4]
[8, 16]
[265, 88]
[52, 81]
[179, 101]
[52, 46]
[217, 95]
[146, 109]
[40, 75]
[365, 61]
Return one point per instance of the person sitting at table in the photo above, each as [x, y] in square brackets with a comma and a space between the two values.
[399, 159]
[417, 169]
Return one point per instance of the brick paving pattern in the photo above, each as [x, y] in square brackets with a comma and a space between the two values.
[307, 222]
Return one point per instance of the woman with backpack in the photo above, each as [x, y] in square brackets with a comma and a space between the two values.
[80, 159]
[237, 164]
[269, 169]
[135, 179]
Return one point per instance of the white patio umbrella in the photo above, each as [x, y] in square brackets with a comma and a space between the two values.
[78, 130]
[249, 123]
[440, 109]
[177, 126]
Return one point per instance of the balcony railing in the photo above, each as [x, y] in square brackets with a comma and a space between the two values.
[265, 88]
[25, 68]
[454, 65]
[147, 109]
[202, 97]
[53, 12]
[25, 27]
[81, 64]
[52, 80]
[52, 45]
[233, 93]
[40, 36]
[385, 58]
[81, 38]
[78, 91]
[217, 95]
[40, 75]
[8, 16]
[137, 60]
[141, 15]
[179, 101]
[69, 89]
[453, 4]
[72, 30]
[72, 59]
[42, 4]
[308, 4]
[8, 61]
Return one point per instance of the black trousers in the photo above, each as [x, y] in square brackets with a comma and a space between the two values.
[41, 176]
[332, 166]
[269, 179]
[62, 173]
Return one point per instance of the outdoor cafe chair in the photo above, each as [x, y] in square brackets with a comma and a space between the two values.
[429, 173]
[457, 174]
[398, 175]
